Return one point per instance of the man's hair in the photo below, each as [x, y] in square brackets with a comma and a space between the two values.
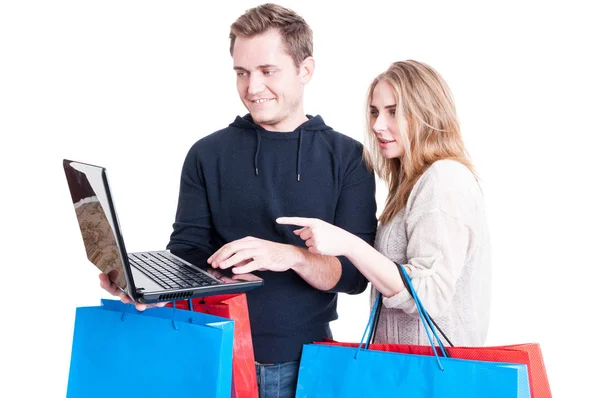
[425, 100]
[295, 32]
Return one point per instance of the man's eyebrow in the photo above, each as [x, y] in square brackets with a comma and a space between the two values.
[264, 66]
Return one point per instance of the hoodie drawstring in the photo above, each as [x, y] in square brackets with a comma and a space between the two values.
[298, 161]
[257, 151]
[298, 158]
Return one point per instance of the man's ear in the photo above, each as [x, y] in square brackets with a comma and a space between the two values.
[306, 70]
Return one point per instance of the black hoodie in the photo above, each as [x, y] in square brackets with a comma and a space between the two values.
[237, 181]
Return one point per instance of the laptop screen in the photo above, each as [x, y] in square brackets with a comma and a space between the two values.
[90, 198]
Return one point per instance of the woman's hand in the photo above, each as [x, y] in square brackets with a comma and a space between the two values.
[321, 237]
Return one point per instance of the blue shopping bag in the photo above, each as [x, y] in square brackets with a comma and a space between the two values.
[160, 352]
[335, 371]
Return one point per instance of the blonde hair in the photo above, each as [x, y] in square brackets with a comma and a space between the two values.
[295, 32]
[433, 133]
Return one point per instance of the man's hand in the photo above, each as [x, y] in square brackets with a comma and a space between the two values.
[109, 286]
[252, 254]
[321, 237]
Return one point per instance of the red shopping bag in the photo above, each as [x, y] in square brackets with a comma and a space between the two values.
[235, 307]
[527, 354]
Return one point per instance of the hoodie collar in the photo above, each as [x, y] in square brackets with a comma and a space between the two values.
[314, 123]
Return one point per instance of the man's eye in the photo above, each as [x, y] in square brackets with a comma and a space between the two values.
[269, 72]
[241, 74]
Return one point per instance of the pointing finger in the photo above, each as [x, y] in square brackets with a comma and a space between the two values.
[300, 221]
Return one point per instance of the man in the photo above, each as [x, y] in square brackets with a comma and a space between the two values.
[275, 161]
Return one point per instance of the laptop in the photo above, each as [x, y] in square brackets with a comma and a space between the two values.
[147, 277]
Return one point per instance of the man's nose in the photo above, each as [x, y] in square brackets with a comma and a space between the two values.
[256, 84]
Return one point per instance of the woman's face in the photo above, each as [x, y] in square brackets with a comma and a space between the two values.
[384, 123]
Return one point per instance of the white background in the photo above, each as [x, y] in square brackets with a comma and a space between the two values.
[131, 85]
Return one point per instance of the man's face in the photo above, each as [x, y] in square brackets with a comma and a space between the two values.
[268, 82]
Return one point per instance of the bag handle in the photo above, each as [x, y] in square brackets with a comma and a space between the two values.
[424, 315]
[172, 320]
[405, 279]
[425, 318]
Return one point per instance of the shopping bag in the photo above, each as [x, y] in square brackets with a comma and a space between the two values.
[340, 371]
[331, 371]
[160, 352]
[528, 354]
[234, 307]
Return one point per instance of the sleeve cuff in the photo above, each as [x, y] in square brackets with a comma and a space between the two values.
[399, 300]
[351, 281]
[402, 300]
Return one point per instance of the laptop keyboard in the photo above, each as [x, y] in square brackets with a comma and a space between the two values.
[169, 272]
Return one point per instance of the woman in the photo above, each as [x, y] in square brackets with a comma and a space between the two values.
[433, 223]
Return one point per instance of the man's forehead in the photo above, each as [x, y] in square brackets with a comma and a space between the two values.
[260, 50]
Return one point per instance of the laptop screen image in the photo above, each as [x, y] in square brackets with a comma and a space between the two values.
[98, 230]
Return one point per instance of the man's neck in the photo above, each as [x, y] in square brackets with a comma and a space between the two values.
[289, 124]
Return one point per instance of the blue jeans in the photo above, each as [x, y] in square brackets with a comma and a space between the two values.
[278, 380]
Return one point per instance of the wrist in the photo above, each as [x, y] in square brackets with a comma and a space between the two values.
[355, 247]
[297, 256]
